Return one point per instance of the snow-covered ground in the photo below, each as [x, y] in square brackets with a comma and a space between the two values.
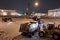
[52, 21]
[11, 29]
[35, 37]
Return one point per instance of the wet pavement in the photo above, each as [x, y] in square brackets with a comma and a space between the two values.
[35, 37]
[12, 30]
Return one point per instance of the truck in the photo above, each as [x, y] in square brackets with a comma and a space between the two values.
[27, 29]
[51, 31]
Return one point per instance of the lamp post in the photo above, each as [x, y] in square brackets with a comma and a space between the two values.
[36, 4]
[28, 9]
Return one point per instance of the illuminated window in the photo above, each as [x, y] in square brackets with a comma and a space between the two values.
[58, 14]
[13, 13]
[19, 14]
[4, 13]
[50, 14]
[54, 14]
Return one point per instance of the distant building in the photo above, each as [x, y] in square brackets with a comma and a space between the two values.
[8, 12]
[54, 12]
[39, 14]
[9, 15]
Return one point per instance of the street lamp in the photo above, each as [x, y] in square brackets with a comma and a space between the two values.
[36, 4]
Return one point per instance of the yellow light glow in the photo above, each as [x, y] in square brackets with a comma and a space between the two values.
[4, 13]
[2, 10]
[13, 13]
[36, 3]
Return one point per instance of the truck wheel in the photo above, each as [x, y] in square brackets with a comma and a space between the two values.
[24, 33]
[55, 36]
[41, 34]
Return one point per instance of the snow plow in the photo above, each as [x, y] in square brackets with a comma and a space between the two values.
[28, 29]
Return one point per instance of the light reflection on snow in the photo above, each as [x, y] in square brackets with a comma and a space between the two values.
[10, 22]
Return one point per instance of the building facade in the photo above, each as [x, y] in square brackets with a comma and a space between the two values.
[54, 12]
[39, 14]
[8, 12]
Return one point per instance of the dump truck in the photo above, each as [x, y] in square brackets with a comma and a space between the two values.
[28, 29]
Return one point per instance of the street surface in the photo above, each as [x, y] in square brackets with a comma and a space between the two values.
[35, 37]
[11, 29]
[54, 21]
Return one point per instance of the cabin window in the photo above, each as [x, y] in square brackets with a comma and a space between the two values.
[50, 26]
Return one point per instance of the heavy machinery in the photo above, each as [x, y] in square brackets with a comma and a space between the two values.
[27, 30]
[51, 32]
[56, 33]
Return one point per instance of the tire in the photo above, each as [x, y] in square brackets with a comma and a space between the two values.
[32, 33]
[41, 34]
[55, 36]
[26, 34]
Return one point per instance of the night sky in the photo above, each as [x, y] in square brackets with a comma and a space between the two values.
[21, 5]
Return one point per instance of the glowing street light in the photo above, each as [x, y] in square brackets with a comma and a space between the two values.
[4, 13]
[36, 3]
